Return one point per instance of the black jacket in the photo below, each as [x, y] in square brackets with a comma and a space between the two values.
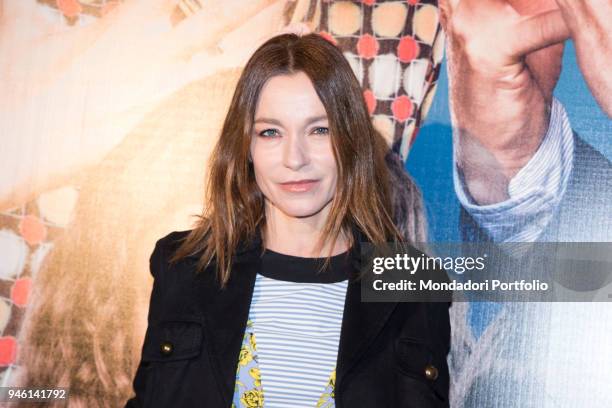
[390, 354]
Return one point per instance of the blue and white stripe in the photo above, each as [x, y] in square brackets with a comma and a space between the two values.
[297, 332]
[535, 191]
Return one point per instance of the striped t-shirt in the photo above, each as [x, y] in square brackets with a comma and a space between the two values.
[297, 315]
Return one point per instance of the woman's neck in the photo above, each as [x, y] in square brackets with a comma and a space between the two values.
[299, 236]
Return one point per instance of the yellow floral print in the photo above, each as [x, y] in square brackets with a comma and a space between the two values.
[254, 372]
[245, 356]
[252, 399]
[327, 398]
[248, 391]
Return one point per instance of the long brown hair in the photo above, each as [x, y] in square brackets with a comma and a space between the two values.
[234, 208]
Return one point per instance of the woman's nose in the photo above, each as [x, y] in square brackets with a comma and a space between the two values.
[295, 152]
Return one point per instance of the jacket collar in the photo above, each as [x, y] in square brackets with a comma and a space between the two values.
[226, 313]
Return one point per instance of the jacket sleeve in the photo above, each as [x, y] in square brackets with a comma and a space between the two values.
[439, 316]
[157, 262]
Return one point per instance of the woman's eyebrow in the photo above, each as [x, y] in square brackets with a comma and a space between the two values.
[307, 121]
[268, 120]
[313, 119]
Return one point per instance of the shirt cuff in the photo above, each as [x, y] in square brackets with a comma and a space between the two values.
[534, 192]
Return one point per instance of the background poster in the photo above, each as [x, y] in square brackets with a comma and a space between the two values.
[108, 112]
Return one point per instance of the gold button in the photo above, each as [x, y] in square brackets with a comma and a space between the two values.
[431, 372]
[166, 348]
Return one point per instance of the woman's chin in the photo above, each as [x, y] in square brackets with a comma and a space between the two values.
[305, 211]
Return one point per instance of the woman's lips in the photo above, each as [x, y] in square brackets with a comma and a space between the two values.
[299, 186]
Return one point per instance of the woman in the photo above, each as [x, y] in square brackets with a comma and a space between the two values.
[261, 300]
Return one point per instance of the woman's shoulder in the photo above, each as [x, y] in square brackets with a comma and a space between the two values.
[171, 241]
[174, 296]
[174, 282]
[162, 267]
[167, 246]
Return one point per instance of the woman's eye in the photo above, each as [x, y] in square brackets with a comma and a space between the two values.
[321, 130]
[268, 133]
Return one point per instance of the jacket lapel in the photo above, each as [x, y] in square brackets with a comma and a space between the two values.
[226, 313]
[362, 321]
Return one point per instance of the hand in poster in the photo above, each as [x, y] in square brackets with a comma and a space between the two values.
[68, 95]
[590, 25]
[502, 70]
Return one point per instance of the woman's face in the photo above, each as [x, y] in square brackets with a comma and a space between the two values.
[291, 148]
